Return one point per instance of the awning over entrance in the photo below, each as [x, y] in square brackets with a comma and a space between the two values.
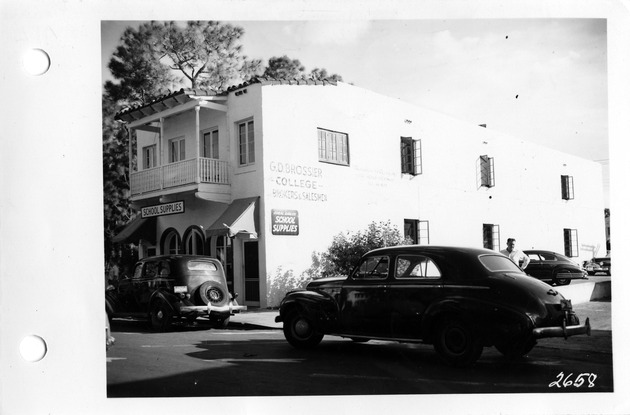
[240, 217]
[137, 229]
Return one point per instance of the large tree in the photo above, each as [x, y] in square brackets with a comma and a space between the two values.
[139, 76]
[286, 68]
[204, 54]
[283, 68]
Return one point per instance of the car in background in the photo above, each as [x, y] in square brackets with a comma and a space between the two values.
[553, 267]
[460, 300]
[597, 265]
[167, 288]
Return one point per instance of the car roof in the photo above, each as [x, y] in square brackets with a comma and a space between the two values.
[438, 249]
[178, 257]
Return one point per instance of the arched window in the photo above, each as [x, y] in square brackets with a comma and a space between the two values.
[171, 242]
[194, 240]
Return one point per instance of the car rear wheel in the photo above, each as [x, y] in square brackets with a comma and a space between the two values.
[561, 281]
[299, 331]
[161, 316]
[457, 343]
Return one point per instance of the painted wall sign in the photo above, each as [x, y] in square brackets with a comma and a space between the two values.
[285, 222]
[297, 182]
[161, 210]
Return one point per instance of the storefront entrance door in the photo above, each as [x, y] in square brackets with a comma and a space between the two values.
[252, 275]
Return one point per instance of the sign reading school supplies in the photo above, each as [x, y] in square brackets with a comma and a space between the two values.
[161, 210]
[285, 222]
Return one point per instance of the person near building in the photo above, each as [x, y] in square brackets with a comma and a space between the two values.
[515, 254]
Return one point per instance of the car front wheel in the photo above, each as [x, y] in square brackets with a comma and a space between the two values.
[299, 331]
[457, 344]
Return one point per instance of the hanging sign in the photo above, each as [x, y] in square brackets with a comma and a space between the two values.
[285, 222]
[164, 209]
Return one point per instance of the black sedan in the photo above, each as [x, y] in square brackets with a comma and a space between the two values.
[552, 267]
[169, 288]
[460, 300]
[597, 265]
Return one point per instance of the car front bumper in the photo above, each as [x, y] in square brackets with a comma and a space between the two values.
[563, 331]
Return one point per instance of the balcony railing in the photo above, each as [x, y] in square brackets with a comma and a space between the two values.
[181, 173]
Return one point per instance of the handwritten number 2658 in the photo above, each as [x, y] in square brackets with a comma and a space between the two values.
[583, 379]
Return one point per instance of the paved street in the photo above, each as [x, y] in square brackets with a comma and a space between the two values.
[251, 360]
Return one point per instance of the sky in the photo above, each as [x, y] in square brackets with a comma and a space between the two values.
[540, 80]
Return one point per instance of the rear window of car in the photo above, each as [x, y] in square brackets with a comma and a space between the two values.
[202, 266]
[498, 263]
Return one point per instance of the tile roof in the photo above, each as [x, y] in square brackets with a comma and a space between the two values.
[184, 95]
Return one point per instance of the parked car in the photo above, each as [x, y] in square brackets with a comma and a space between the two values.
[552, 267]
[597, 265]
[458, 299]
[165, 288]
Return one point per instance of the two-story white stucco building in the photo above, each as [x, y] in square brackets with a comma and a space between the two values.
[267, 173]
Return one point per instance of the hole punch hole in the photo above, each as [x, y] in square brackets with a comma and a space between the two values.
[36, 62]
[33, 348]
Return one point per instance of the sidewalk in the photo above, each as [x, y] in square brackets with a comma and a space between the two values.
[598, 313]
[255, 319]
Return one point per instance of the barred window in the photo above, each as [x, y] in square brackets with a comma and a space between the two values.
[410, 156]
[571, 243]
[491, 236]
[417, 231]
[333, 147]
[567, 187]
[486, 171]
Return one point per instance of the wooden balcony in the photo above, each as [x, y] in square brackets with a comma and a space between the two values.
[184, 175]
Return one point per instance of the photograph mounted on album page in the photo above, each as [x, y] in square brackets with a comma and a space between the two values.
[280, 205]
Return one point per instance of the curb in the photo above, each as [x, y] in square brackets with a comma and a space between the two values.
[586, 292]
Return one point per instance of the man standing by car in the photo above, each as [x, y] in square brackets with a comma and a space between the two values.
[515, 255]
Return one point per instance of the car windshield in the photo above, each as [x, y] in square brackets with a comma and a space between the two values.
[498, 263]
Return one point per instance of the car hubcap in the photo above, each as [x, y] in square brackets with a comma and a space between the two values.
[215, 295]
[302, 328]
[159, 315]
[455, 340]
